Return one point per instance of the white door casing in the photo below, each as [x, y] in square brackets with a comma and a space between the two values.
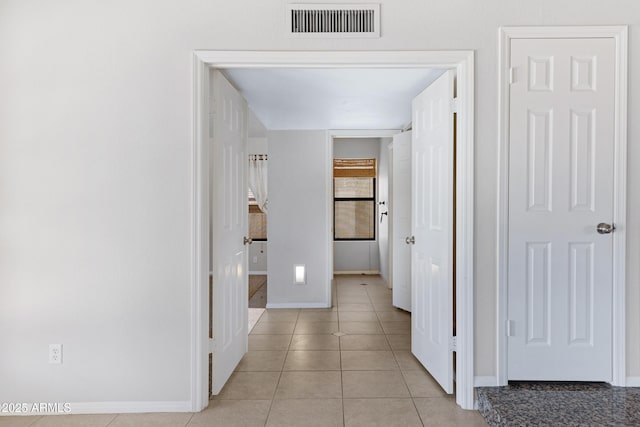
[432, 226]
[461, 61]
[400, 212]
[229, 227]
[561, 185]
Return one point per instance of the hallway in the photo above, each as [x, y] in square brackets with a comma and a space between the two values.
[350, 365]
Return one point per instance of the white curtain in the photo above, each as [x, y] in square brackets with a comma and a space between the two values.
[258, 179]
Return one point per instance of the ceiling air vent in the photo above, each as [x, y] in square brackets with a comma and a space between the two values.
[334, 20]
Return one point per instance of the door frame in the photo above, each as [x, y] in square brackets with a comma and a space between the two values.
[462, 61]
[341, 133]
[620, 36]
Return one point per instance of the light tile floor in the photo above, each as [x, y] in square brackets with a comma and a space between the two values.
[299, 373]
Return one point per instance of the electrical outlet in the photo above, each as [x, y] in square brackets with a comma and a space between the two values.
[55, 354]
[255, 259]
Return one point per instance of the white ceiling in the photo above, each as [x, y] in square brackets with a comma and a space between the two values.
[332, 98]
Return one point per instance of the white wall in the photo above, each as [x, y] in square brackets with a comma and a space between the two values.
[357, 255]
[298, 228]
[258, 257]
[95, 175]
[383, 196]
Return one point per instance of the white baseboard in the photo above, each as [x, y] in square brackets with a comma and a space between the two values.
[485, 381]
[633, 382]
[257, 273]
[365, 272]
[107, 408]
[297, 305]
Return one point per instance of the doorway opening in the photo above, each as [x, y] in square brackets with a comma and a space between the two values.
[462, 62]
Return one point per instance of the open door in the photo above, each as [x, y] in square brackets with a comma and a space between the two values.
[229, 211]
[432, 225]
[401, 221]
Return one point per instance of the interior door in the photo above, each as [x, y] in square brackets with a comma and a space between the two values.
[432, 151]
[229, 228]
[401, 220]
[560, 189]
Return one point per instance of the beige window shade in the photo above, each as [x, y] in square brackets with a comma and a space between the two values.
[352, 168]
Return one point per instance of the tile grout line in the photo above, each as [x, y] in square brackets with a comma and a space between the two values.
[275, 390]
[189, 420]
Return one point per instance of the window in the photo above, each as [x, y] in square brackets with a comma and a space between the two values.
[354, 199]
[257, 220]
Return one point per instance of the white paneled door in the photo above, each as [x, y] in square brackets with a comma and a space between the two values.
[401, 220]
[432, 225]
[229, 212]
[561, 182]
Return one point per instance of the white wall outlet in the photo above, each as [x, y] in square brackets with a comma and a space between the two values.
[55, 353]
[255, 259]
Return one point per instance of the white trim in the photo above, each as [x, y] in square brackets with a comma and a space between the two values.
[257, 273]
[365, 272]
[620, 35]
[465, 214]
[298, 305]
[199, 327]
[112, 408]
[463, 62]
[633, 382]
[328, 170]
[485, 381]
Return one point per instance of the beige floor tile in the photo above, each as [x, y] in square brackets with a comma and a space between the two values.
[383, 306]
[361, 328]
[280, 315]
[151, 420]
[355, 307]
[18, 421]
[368, 361]
[318, 316]
[394, 316]
[273, 328]
[361, 384]
[353, 299]
[421, 384]
[306, 385]
[322, 310]
[364, 342]
[98, 420]
[269, 342]
[250, 385]
[397, 328]
[311, 328]
[232, 413]
[399, 342]
[312, 361]
[380, 296]
[262, 360]
[383, 295]
[407, 361]
[315, 342]
[357, 316]
[380, 413]
[444, 412]
[306, 412]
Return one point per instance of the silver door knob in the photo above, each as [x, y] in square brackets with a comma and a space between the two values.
[410, 240]
[604, 228]
[248, 240]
